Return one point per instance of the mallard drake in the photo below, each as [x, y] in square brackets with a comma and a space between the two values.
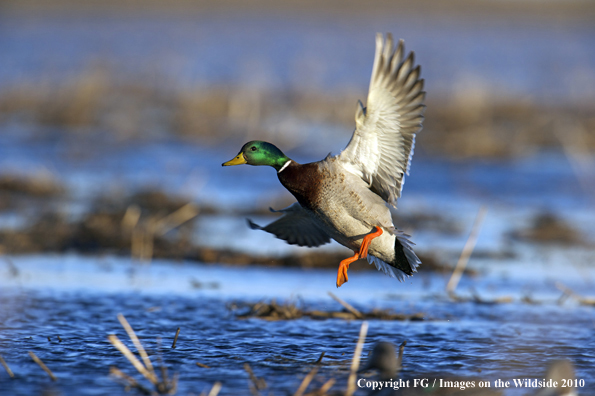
[345, 197]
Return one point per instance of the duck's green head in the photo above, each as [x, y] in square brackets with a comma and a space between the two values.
[258, 152]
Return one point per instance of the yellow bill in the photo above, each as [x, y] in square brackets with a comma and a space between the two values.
[239, 160]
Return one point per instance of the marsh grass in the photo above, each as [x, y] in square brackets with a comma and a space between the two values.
[548, 228]
[151, 223]
[41, 185]
[145, 225]
[143, 234]
[98, 101]
[161, 385]
[274, 311]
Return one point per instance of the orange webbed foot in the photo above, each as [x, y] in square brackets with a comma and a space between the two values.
[363, 253]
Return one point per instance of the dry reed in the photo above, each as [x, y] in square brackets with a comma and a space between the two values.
[163, 385]
[351, 386]
[173, 346]
[325, 387]
[42, 365]
[306, 382]
[215, 389]
[467, 251]
[319, 360]
[143, 233]
[128, 381]
[5, 365]
[567, 292]
[400, 357]
[136, 342]
[256, 384]
[347, 306]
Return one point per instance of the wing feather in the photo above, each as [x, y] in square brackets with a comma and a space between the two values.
[381, 148]
[296, 227]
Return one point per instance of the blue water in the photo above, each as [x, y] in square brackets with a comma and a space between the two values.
[79, 298]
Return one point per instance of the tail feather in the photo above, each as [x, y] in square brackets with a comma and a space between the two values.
[386, 268]
[406, 261]
[405, 258]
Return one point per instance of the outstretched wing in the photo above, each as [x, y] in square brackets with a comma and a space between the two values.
[296, 227]
[381, 147]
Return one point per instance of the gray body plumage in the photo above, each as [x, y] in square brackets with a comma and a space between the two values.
[349, 210]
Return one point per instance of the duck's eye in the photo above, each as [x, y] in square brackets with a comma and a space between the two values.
[253, 148]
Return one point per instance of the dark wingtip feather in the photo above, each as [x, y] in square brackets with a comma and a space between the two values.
[253, 226]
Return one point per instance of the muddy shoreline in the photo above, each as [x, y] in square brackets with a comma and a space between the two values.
[106, 228]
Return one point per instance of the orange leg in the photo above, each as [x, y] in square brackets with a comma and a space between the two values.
[363, 253]
[363, 250]
[343, 267]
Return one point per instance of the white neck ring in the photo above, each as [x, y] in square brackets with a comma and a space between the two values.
[284, 166]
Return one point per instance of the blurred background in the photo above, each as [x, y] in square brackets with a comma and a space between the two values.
[115, 117]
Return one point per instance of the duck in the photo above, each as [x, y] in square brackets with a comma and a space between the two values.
[347, 197]
[384, 360]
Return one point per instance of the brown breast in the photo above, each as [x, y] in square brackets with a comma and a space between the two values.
[303, 181]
